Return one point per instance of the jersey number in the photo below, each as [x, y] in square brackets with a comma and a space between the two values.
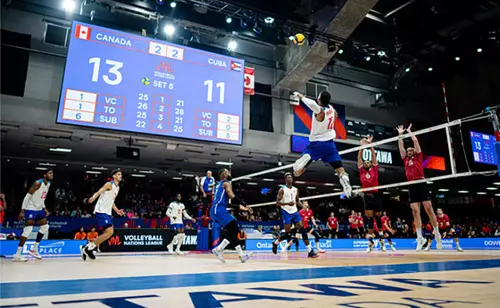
[330, 123]
[44, 195]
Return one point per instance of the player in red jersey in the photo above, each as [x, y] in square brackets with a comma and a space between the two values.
[361, 225]
[386, 231]
[418, 193]
[446, 229]
[333, 225]
[368, 174]
[307, 215]
[353, 225]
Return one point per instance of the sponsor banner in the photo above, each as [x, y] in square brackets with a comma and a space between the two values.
[342, 244]
[46, 248]
[266, 226]
[71, 224]
[139, 240]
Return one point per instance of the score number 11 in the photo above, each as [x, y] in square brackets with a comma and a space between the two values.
[220, 85]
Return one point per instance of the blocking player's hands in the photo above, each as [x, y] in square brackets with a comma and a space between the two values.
[401, 130]
[120, 212]
[246, 209]
[21, 215]
[92, 199]
[369, 139]
[409, 129]
[364, 141]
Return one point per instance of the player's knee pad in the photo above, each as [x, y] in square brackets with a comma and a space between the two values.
[303, 232]
[336, 164]
[44, 229]
[232, 227]
[27, 231]
[370, 223]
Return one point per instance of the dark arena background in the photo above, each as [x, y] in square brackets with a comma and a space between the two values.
[153, 153]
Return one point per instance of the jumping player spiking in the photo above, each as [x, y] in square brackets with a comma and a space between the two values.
[219, 213]
[288, 198]
[176, 210]
[103, 210]
[446, 229]
[33, 211]
[321, 145]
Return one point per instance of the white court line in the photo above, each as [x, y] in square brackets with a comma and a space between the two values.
[437, 178]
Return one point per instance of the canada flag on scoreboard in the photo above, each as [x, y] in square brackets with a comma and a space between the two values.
[82, 32]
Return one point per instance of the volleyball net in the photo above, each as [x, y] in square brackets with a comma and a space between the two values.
[453, 169]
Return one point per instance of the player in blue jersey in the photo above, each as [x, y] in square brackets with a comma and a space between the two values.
[220, 214]
[33, 211]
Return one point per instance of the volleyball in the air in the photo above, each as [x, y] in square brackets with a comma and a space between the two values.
[145, 81]
[299, 39]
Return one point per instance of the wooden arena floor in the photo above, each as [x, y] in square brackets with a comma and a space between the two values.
[336, 279]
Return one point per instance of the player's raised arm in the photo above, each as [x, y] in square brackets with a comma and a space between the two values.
[372, 150]
[401, 144]
[360, 153]
[105, 187]
[416, 144]
[311, 104]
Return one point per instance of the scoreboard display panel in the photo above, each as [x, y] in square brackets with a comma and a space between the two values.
[120, 81]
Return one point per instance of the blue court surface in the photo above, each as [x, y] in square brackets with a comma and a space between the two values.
[336, 279]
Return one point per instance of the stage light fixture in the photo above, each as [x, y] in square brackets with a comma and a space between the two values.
[69, 5]
[268, 20]
[229, 19]
[457, 58]
[173, 4]
[243, 23]
[169, 29]
[341, 51]
[232, 45]
[381, 53]
[256, 28]
[407, 69]
[291, 37]
[430, 69]
[332, 46]
[479, 50]
[368, 58]
[160, 2]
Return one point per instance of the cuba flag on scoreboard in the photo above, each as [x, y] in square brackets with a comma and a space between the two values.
[302, 119]
[236, 66]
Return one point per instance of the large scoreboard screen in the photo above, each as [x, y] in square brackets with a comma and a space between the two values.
[116, 80]
[483, 148]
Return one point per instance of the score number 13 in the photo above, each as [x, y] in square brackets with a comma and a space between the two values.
[113, 70]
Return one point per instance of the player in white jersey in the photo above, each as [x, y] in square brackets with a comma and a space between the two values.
[176, 211]
[33, 210]
[288, 198]
[321, 145]
[103, 212]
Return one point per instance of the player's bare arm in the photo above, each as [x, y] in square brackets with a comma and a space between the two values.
[105, 187]
[401, 130]
[360, 153]
[117, 210]
[297, 200]
[369, 140]
[416, 144]
[229, 190]
[36, 185]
